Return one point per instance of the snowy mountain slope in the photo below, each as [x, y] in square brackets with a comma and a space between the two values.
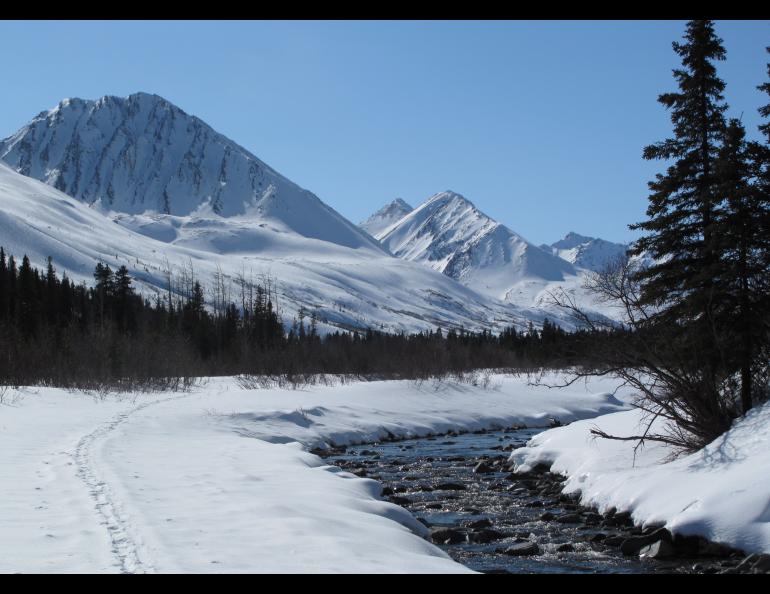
[449, 234]
[348, 288]
[587, 252]
[386, 216]
[142, 153]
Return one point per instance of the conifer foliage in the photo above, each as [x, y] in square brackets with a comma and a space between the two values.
[699, 341]
[107, 336]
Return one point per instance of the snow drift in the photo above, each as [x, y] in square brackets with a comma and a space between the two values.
[721, 492]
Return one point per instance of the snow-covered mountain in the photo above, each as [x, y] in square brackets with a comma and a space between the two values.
[346, 287]
[385, 217]
[141, 153]
[159, 190]
[587, 252]
[450, 235]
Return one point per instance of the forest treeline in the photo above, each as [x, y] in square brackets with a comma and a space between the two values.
[56, 332]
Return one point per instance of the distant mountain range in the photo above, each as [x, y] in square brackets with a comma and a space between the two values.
[450, 235]
[137, 181]
[587, 252]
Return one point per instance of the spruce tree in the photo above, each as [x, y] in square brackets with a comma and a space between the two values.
[683, 301]
[685, 200]
[764, 111]
[3, 285]
[743, 247]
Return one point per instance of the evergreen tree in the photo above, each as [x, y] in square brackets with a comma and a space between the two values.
[51, 293]
[124, 294]
[685, 201]
[743, 247]
[764, 111]
[104, 290]
[3, 286]
[28, 303]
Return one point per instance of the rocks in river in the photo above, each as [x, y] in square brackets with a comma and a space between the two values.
[660, 549]
[483, 523]
[633, 544]
[615, 540]
[522, 535]
[399, 500]
[521, 549]
[425, 488]
[446, 536]
[592, 519]
[469, 487]
[484, 536]
[547, 517]
[569, 518]
[449, 486]
[623, 518]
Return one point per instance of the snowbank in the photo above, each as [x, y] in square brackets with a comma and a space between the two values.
[721, 492]
[219, 479]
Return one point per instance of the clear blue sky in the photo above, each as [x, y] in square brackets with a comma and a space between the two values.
[541, 124]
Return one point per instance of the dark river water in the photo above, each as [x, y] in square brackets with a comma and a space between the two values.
[434, 479]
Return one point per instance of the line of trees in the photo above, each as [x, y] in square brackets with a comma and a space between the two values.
[700, 315]
[56, 332]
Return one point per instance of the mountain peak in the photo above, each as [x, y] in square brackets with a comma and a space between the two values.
[448, 233]
[142, 153]
[586, 252]
[571, 240]
[447, 196]
[392, 212]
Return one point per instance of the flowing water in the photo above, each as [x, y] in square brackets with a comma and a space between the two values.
[434, 479]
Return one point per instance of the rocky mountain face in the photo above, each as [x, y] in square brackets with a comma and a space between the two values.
[449, 234]
[385, 217]
[141, 153]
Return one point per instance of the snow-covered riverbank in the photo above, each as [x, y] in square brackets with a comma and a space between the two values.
[219, 479]
[721, 492]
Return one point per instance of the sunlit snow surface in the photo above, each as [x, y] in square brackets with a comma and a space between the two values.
[721, 492]
[219, 479]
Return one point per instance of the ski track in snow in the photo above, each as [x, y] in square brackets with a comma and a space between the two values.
[127, 546]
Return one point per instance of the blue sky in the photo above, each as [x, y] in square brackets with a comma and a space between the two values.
[541, 124]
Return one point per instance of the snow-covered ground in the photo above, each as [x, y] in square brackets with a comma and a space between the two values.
[220, 480]
[721, 492]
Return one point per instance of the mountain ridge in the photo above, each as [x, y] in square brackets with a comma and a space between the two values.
[143, 154]
[450, 234]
